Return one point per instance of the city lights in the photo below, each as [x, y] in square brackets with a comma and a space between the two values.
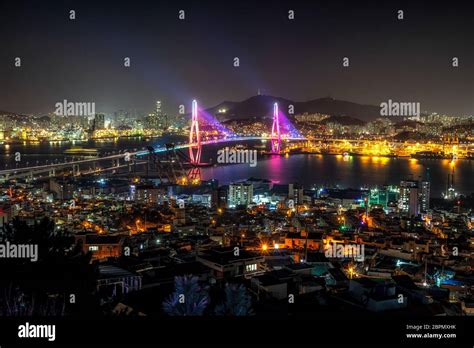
[164, 163]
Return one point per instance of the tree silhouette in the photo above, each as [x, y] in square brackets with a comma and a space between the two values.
[15, 302]
[45, 287]
[237, 301]
[188, 298]
[51, 243]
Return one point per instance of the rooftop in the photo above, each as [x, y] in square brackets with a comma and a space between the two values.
[227, 255]
[113, 271]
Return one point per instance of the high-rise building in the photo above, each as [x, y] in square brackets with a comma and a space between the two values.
[99, 121]
[409, 203]
[240, 194]
[384, 196]
[222, 196]
[425, 192]
[425, 196]
[158, 107]
[162, 118]
[152, 121]
[295, 193]
[121, 117]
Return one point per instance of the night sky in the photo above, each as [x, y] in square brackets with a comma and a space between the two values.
[175, 61]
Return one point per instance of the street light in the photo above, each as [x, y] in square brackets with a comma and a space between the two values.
[351, 271]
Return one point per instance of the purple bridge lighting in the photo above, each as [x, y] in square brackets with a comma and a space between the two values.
[195, 147]
[276, 137]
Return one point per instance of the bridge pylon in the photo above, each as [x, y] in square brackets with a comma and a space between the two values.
[276, 137]
[195, 147]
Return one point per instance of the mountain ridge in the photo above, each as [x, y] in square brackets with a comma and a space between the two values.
[260, 106]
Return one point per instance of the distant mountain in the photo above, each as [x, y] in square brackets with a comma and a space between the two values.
[226, 105]
[261, 106]
[336, 107]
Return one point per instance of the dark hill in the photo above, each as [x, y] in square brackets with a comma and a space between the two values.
[261, 106]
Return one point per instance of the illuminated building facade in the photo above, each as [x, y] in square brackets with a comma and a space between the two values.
[240, 194]
[409, 198]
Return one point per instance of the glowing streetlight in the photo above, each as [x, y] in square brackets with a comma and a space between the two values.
[351, 271]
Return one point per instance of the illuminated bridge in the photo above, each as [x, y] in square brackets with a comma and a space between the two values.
[172, 158]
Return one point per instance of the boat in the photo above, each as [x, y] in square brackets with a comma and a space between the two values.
[81, 151]
[430, 155]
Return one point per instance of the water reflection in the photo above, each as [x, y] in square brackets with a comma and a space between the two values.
[355, 172]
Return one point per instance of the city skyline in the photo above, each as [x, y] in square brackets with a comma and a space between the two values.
[172, 164]
[175, 109]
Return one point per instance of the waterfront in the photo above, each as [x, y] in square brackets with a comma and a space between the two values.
[308, 170]
[353, 172]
